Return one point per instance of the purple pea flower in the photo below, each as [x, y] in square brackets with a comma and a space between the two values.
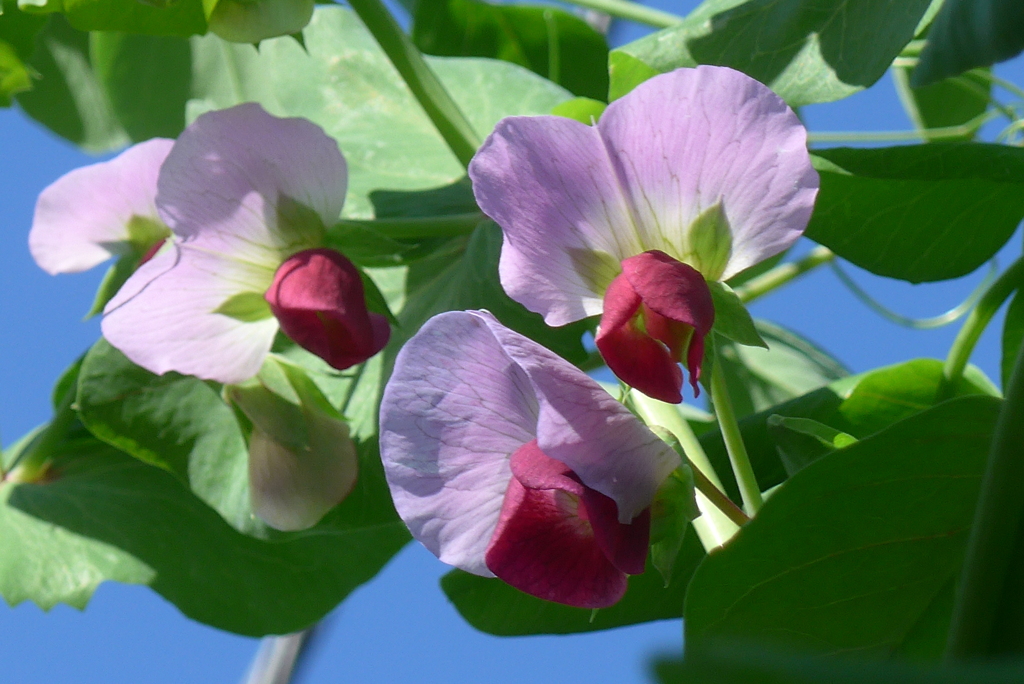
[505, 460]
[247, 196]
[108, 209]
[691, 178]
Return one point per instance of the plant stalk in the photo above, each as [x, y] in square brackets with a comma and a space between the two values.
[738, 458]
[966, 339]
[782, 274]
[623, 9]
[446, 116]
[987, 617]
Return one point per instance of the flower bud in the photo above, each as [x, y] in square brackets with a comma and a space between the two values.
[302, 462]
[318, 298]
[250, 21]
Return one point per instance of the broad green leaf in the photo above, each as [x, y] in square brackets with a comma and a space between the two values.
[956, 101]
[172, 421]
[582, 109]
[180, 18]
[749, 663]
[791, 366]
[849, 555]
[494, 607]
[344, 83]
[1013, 336]
[466, 277]
[147, 79]
[108, 516]
[968, 34]
[807, 51]
[17, 34]
[860, 405]
[548, 41]
[68, 98]
[920, 212]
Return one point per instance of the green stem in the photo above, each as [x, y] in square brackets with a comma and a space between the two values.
[451, 225]
[716, 496]
[932, 134]
[623, 9]
[446, 116]
[34, 461]
[782, 274]
[987, 620]
[974, 326]
[714, 526]
[738, 458]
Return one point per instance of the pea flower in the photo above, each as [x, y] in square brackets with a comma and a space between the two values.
[247, 196]
[505, 460]
[96, 212]
[692, 177]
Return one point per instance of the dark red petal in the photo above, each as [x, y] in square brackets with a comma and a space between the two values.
[543, 548]
[636, 358]
[536, 470]
[560, 540]
[624, 545]
[317, 297]
[672, 289]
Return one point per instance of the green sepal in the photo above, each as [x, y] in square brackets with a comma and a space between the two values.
[582, 109]
[247, 307]
[732, 320]
[674, 506]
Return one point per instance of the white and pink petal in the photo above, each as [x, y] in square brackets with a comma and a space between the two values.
[90, 214]
[194, 312]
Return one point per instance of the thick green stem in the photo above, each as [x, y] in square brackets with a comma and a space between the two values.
[987, 616]
[960, 353]
[738, 458]
[782, 274]
[714, 527]
[623, 9]
[451, 225]
[446, 116]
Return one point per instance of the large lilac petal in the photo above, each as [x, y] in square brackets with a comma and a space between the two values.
[164, 317]
[455, 409]
[233, 172]
[549, 184]
[82, 219]
[582, 426]
[684, 141]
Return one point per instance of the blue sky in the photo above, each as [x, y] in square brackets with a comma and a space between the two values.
[399, 627]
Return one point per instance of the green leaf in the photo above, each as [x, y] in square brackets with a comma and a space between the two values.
[790, 367]
[732, 320]
[180, 18]
[17, 34]
[860, 405]
[850, 553]
[494, 607]
[807, 51]
[1013, 336]
[626, 72]
[467, 278]
[365, 246]
[172, 421]
[389, 143]
[143, 527]
[955, 101]
[802, 440]
[674, 507]
[721, 662]
[919, 213]
[582, 109]
[548, 41]
[968, 34]
[147, 79]
[247, 307]
[68, 98]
